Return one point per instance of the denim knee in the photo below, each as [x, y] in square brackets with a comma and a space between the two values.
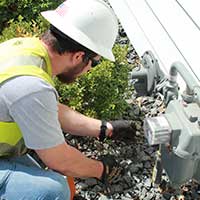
[53, 190]
[31, 183]
[45, 189]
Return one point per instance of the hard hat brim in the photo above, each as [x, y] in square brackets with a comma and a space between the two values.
[71, 31]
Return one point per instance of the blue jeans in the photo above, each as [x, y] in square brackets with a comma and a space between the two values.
[22, 179]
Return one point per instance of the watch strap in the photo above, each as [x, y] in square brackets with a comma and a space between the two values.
[102, 134]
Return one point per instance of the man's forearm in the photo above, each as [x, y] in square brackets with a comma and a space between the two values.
[83, 167]
[70, 162]
[78, 124]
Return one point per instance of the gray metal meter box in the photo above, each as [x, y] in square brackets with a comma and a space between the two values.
[182, 159]
[177, 132]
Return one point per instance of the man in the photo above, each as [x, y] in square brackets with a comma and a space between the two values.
[31, 117]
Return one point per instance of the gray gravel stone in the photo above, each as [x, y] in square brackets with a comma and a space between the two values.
[103, 197]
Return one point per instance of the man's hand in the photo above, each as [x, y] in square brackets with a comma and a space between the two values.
[123, 130]
[111, 171]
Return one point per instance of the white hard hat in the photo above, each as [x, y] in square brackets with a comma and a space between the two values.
[92, 23]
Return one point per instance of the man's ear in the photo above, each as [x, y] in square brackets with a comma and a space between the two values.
[77, 57]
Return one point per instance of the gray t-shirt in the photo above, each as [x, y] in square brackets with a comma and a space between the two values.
[32, 103]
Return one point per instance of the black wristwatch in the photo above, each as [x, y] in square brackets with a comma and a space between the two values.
[102, 134]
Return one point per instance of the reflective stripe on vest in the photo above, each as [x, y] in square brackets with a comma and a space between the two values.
[11, 140]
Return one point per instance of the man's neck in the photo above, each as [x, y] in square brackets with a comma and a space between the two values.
[58, 62]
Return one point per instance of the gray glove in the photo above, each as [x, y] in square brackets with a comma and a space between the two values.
[123, 130]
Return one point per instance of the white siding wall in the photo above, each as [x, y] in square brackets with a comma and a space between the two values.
[170, 28]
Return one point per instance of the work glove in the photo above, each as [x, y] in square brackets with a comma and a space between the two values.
[111, 172]
[123, 130]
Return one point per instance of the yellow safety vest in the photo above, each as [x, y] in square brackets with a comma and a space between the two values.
[20, 56]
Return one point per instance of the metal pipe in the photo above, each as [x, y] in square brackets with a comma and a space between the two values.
[192, 84]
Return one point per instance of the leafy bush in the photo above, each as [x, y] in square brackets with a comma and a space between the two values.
[101, 93]
[28, 9]
[21, 28]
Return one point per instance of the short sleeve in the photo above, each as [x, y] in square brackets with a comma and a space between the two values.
[37, 116]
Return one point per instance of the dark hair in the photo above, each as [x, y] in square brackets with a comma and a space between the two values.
[61, 43]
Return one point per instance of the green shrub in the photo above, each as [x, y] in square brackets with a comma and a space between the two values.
[21, 28]
[28, 9]
[101, 93]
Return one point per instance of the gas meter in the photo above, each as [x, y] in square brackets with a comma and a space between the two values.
[178, 130]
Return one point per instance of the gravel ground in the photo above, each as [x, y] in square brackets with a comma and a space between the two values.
[135, 157]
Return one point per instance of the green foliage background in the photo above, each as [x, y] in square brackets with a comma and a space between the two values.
[102, 92]
[29, 9]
